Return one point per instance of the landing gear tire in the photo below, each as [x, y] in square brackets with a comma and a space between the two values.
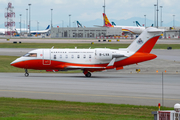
[26, 74]
[88, 74]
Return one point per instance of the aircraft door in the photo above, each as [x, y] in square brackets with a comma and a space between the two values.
[46, 57]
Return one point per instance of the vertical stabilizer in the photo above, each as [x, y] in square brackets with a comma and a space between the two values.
[47, 27]
[79, 24]
[107, 23]
[146, 40]
[137, 23]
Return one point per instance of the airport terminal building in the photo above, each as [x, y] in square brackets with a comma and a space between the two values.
[89, 32]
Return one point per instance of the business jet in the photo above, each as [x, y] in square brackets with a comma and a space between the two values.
[125, 29]
[91, 60]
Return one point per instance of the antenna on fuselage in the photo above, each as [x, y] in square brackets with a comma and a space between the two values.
[52, 47]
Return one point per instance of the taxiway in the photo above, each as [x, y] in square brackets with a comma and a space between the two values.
[103, 87]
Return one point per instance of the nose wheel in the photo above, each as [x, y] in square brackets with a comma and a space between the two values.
[26, 73]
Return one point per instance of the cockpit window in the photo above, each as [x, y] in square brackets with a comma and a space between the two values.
[30, 55]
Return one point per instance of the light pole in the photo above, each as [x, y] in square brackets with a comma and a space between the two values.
[161, 15]
[51, 18]
[37, 26]
[62, 23]
[20, 23]
[154, 15]
[174, 21]
[29, 19]
[145, 20]
[26, 20]
[157, 13]
[69, 20]
[104, 12]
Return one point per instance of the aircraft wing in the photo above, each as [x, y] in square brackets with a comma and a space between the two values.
[84, 67]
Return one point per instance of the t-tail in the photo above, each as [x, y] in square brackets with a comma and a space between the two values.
[107, 23]
[146, 41]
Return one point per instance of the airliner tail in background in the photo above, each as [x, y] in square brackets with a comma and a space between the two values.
[125, 29]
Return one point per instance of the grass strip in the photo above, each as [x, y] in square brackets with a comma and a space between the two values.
[80, 45]
[20, 108]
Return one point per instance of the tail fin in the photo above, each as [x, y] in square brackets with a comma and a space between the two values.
[47, 27]
[137, 23]
[146, 40]
[79, 24]
[107, 23]
[113, 23]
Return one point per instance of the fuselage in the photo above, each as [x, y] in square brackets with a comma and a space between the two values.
[132, 29]
[67, 59]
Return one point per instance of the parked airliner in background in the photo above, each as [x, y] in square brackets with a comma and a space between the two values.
[125, 29]
[3, 30]
[91, 60]
[41, 31]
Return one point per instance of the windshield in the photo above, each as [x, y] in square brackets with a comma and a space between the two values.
[30, 55]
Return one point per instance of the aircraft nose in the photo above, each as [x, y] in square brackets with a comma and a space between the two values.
[15, 63]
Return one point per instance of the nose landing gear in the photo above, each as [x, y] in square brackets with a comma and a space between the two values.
[26, 73]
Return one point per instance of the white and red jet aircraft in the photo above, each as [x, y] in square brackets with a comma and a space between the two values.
[91, 60]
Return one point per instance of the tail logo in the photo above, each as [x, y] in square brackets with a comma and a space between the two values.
[140, 41]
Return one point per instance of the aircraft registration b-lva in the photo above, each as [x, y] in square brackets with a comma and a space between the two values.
[91, 60]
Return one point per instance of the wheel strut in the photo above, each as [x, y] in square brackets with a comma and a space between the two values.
[26, 73]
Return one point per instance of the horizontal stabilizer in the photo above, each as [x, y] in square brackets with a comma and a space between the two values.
[155, 30]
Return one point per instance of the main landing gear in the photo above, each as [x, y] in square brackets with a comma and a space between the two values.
[87, 74]
[26, 73]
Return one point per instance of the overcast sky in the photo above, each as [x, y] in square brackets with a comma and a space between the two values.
[87, 10]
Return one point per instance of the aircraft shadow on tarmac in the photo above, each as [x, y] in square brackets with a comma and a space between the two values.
[80, 76]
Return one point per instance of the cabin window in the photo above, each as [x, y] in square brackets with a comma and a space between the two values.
[66, 56]
[60, 56]
[89, 56]
[78, 56]
[84, 56]
[72, 56]
[54, 56]
[30, 55]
